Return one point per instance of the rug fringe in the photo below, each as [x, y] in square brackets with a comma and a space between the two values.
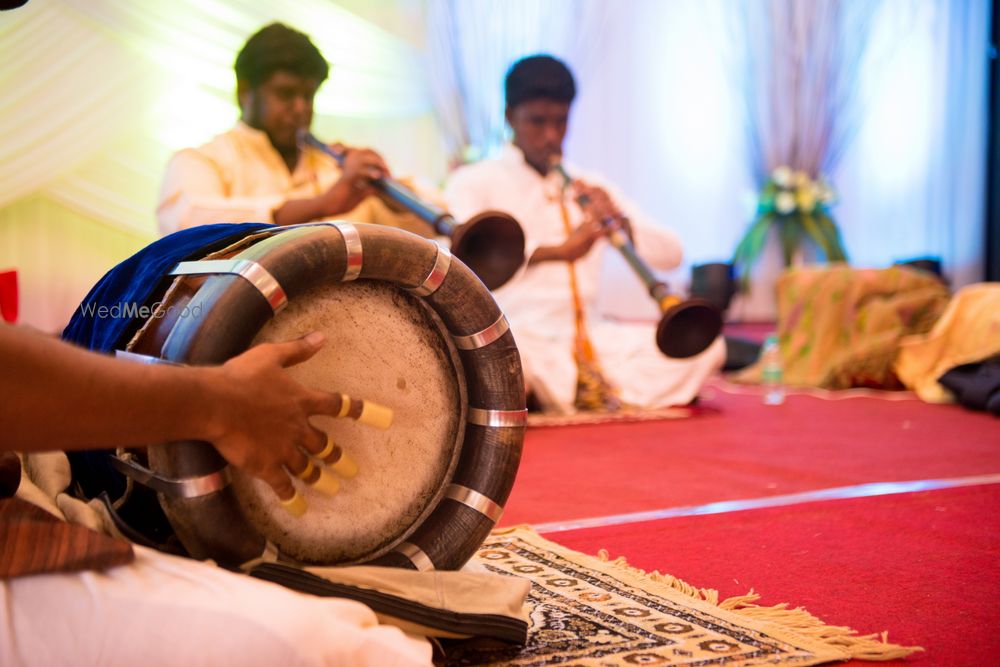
[874, 647]
[707, 594]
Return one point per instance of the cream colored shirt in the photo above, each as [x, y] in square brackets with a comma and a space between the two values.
[240, 177]
[538, 301]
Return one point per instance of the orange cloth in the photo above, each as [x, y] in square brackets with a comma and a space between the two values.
[593, 391]
[969, 331]
[840, 327]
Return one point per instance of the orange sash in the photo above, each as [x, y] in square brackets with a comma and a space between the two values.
[593, 390]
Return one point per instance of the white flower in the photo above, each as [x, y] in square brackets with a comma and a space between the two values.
[782, 176]
[806, 198]
[784, 202]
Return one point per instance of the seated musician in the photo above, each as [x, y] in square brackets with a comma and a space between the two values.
[572, 358]
[146, 607]
[258, 171]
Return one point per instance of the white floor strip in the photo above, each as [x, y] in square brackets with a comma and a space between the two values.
[857, 491]
[725, 386]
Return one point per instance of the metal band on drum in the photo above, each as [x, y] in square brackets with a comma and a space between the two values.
[475, 501]
[188, 487]
[442, 260]
[355, 251]
[498, 418]
[143, 358]
[448, 534]
[253, 272]
[420, 560]
[482, 338]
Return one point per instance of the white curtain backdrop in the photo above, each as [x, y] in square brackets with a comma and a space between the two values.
[914, 181]
[796, 66]
[95, 94]
[662, 117]
[472, 44]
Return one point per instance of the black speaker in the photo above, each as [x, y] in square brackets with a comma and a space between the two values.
[713, 282]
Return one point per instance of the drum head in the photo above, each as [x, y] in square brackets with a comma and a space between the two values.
[384, 345]
[406, 326]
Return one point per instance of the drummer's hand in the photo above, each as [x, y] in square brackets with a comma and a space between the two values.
[360, 167]
[260, 414]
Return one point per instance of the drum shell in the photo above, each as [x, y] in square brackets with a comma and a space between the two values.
[233, 311]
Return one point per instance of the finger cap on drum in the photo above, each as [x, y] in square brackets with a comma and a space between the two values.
[344, 465]
[296, 505]
[337, 459]
[329, 450]
[366, 412]
[327, 483]
[317, 477]
[308, 473]
[375, 415]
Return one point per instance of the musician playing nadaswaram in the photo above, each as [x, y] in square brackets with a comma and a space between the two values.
[258, 171]
[573, 359]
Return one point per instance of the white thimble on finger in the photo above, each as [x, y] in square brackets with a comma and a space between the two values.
[344, 466]
[296, 505]
[330, 446]
[327, 483]
[375, 415]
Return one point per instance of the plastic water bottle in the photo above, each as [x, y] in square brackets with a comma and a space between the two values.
[771, 372]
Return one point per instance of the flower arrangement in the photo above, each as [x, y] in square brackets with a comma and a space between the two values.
[798, 206]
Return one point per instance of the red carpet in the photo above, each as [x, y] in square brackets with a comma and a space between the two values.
[738, 448]
[922, 565]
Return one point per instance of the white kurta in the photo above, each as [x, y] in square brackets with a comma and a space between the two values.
[239, 177]
[538, 301]
[167, 610]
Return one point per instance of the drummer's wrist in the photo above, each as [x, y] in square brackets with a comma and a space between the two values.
[208, 397]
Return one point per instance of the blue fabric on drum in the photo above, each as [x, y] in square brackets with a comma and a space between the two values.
[140, 280]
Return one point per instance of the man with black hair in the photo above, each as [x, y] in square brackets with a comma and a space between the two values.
[258, 171]
[573, 359]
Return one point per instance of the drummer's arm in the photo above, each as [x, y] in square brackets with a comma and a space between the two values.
[54, 395]
[57, 396]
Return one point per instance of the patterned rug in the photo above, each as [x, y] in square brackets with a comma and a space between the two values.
[592, 611]
[625, 415]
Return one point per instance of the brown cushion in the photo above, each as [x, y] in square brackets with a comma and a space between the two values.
[32, 541]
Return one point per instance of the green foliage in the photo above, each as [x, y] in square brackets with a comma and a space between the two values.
[797, 208]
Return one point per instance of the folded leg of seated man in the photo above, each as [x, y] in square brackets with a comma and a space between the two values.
[164, 610]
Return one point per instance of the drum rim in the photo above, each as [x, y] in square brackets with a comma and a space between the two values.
[492, 443]
[455, 365]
